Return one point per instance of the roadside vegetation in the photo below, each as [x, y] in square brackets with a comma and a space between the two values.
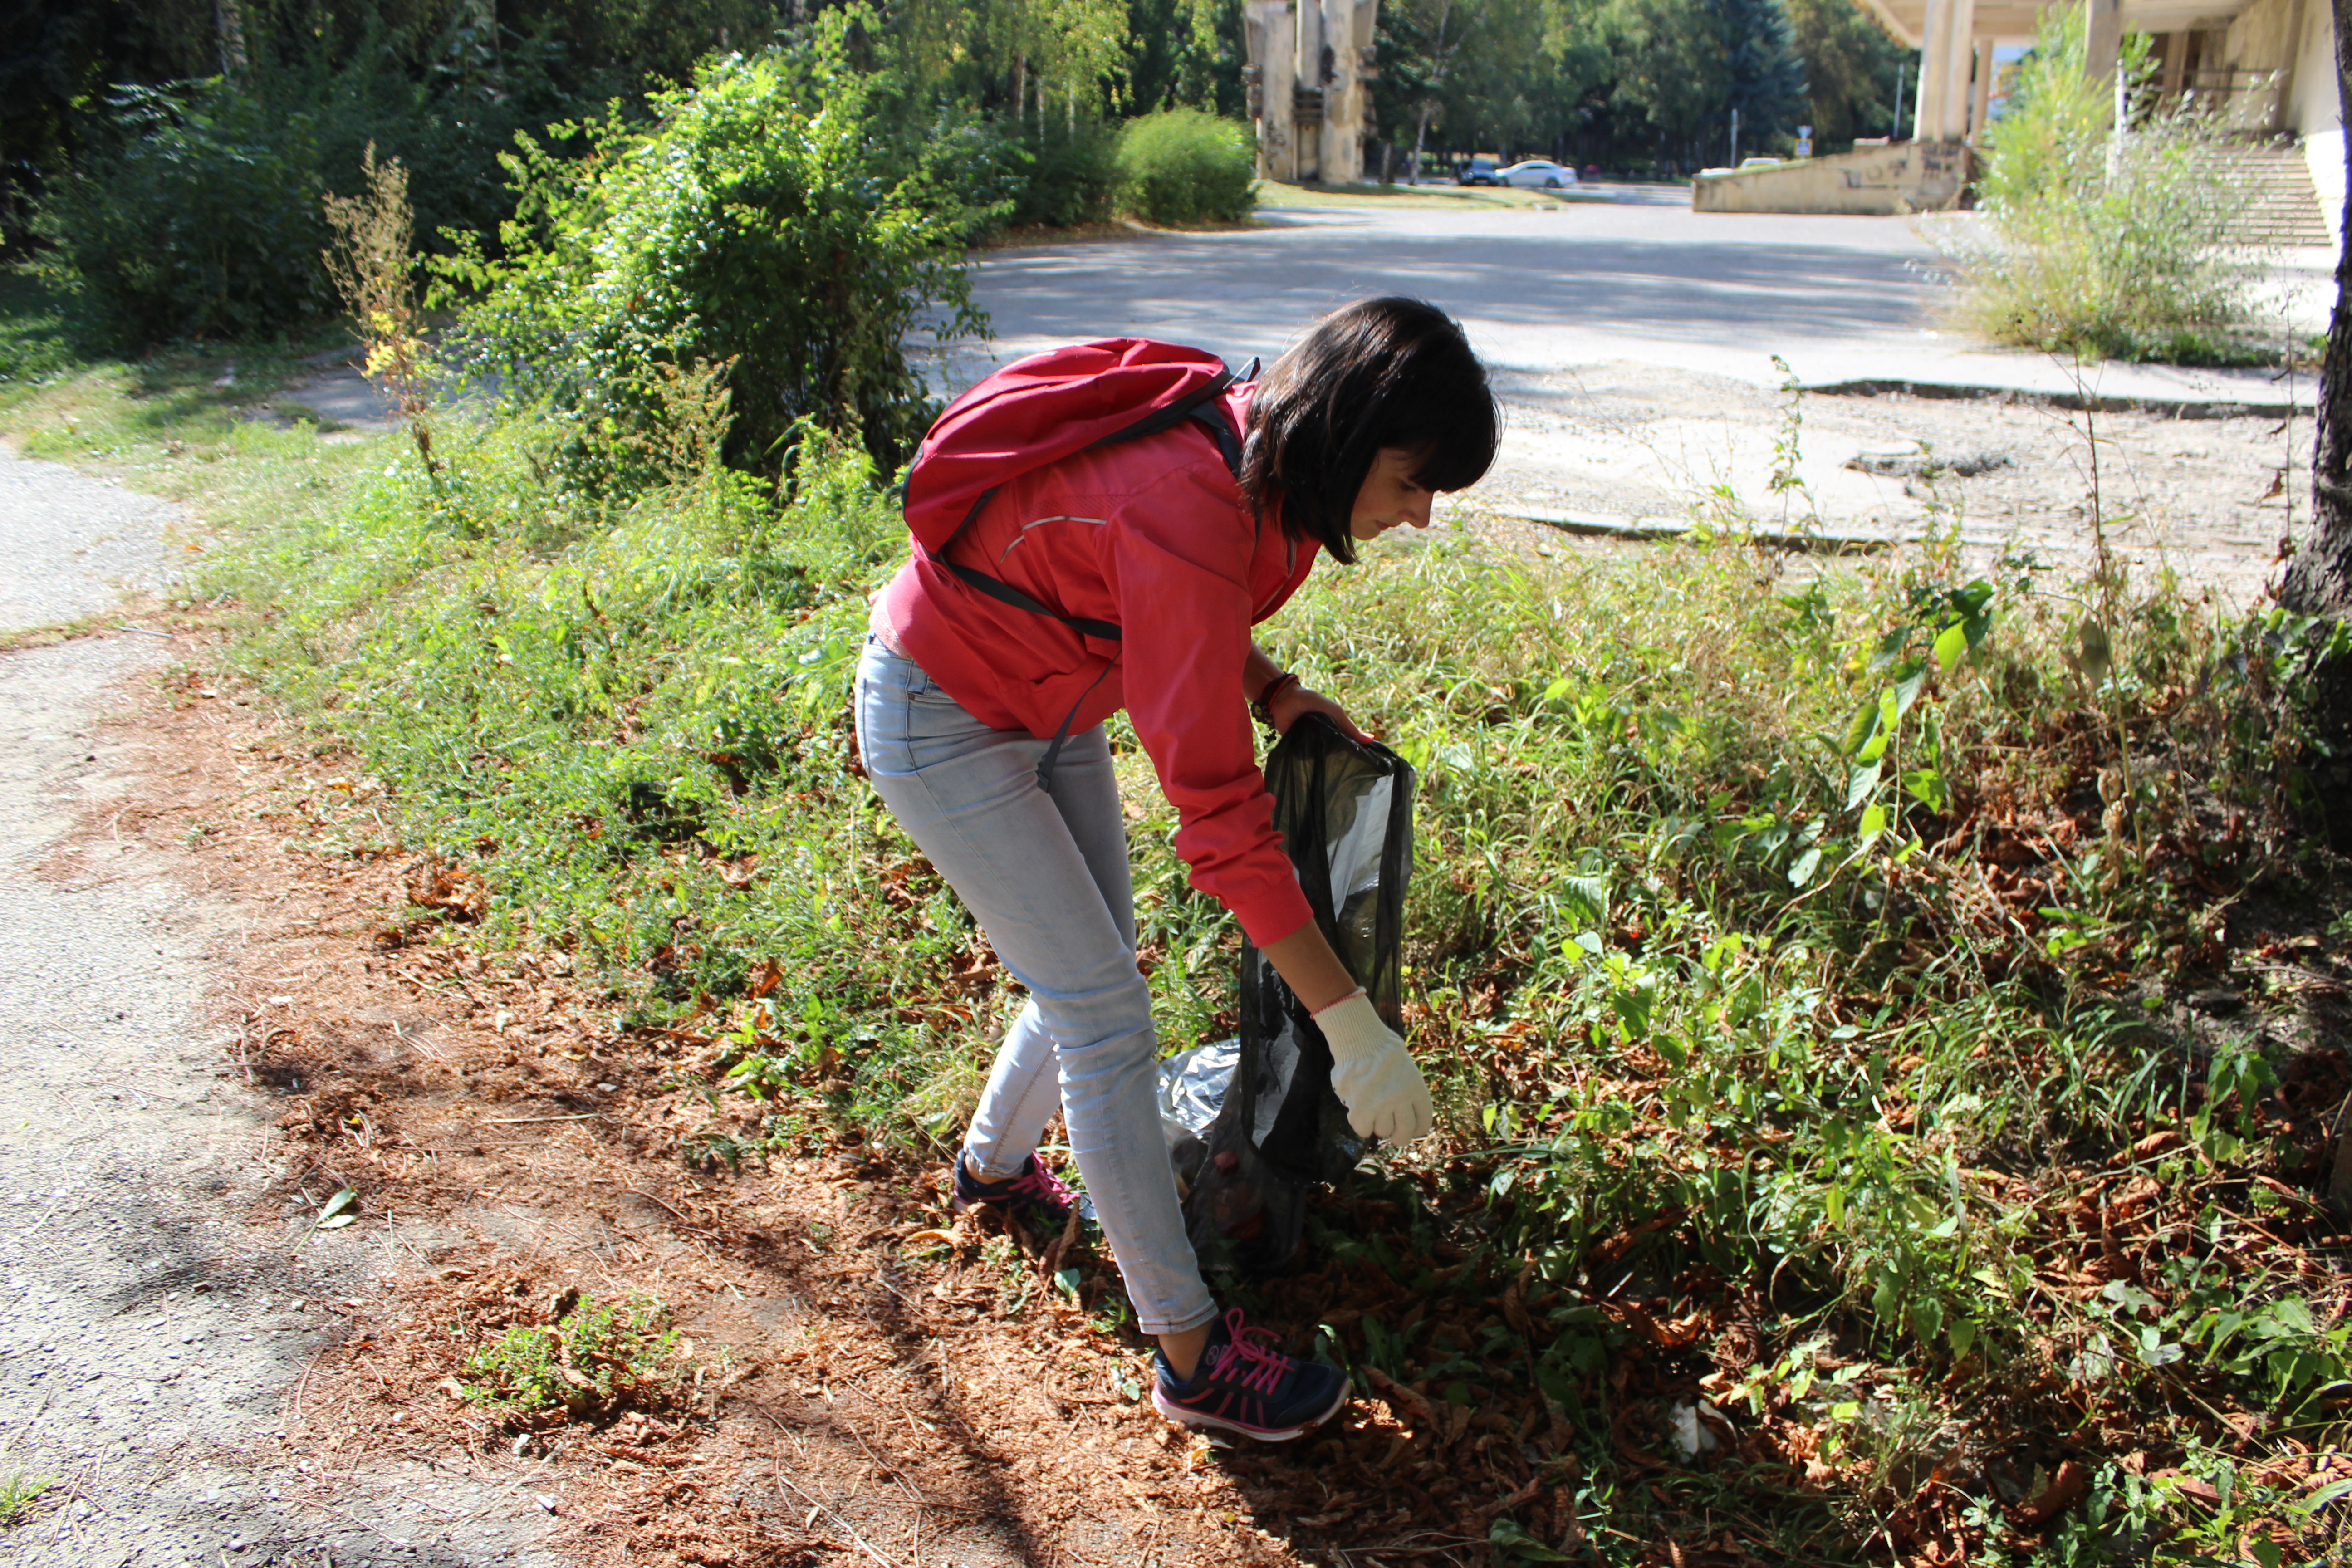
[2103, 240]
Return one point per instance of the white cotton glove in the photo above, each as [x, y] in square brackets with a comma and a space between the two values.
[1372, 1073]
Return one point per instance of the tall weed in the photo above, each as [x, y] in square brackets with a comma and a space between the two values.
[2101, 241]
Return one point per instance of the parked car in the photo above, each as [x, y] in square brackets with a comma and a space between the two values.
[1539, 174]
[1478, 171]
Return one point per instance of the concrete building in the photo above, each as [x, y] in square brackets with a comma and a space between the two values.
[1309, 75]
[2263, 68]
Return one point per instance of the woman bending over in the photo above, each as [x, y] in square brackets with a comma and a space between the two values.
[961, 693]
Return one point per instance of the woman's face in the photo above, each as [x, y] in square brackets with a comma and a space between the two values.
[1389, 496]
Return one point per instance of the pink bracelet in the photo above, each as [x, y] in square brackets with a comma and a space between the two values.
[1343, 1002]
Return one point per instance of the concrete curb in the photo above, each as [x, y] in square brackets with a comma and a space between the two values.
[1603, 525]
[2303, 399]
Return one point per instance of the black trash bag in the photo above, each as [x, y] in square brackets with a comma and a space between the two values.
[1252, 1123]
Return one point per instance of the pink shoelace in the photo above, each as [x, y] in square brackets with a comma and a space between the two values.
[1039, 1182]
[1248, 1364]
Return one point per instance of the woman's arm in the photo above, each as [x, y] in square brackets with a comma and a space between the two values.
[1308, 965]
[1258, 672]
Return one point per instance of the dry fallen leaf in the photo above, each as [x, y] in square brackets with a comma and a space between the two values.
[2065, 1487]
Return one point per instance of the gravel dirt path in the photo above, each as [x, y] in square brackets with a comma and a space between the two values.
[159, 1306]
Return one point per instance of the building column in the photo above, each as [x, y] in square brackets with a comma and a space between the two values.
[1309, 74]
[1933, 40]
[2102, 39]
[2283, 99]
[1343, 95]
[1960, 53]
[1980, 106]
[1272, 42]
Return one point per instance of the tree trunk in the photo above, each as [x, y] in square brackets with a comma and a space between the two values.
[230, 18]
[1437, 53]
[2320, 579]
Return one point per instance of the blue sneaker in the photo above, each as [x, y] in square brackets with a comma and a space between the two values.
[1243, 1384]
[1036, 1197]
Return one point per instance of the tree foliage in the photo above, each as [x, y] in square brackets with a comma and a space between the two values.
[1766, 75]
[789, 216]
[1616, 79]
[1851, 66]
[61, 60]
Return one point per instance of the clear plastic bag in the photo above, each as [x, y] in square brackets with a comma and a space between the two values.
[1252, 1123]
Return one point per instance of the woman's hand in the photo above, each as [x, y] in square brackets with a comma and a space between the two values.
[1372, 1073]
[1292, 702]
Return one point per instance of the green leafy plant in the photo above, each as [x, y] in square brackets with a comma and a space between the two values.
[1182, 166]
[18, 1491]
[788, 215]
[191, 209]
[598, 1356]
[195, 215]
[1061, 175]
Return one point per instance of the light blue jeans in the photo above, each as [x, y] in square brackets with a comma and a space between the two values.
[1047, 877]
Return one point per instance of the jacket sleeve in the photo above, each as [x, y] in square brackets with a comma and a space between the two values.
[1178, 565]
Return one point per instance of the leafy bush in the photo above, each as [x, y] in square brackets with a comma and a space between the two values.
[198, 215]
[197, 212]
[1181, 167]
[1062, 177]
[2108, 246]
[787, 217]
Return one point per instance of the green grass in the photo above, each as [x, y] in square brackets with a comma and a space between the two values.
[1799, 963]
[18, 1491]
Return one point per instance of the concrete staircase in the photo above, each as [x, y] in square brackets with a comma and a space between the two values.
[2285, 208]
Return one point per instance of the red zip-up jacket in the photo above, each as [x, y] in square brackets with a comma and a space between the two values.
[1153, 536]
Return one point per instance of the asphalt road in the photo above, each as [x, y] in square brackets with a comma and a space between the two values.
[1545, 291]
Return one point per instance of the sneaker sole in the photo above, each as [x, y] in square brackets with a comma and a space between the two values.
[1200, 1421]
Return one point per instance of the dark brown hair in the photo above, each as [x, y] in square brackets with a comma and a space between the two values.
[1380, 373]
